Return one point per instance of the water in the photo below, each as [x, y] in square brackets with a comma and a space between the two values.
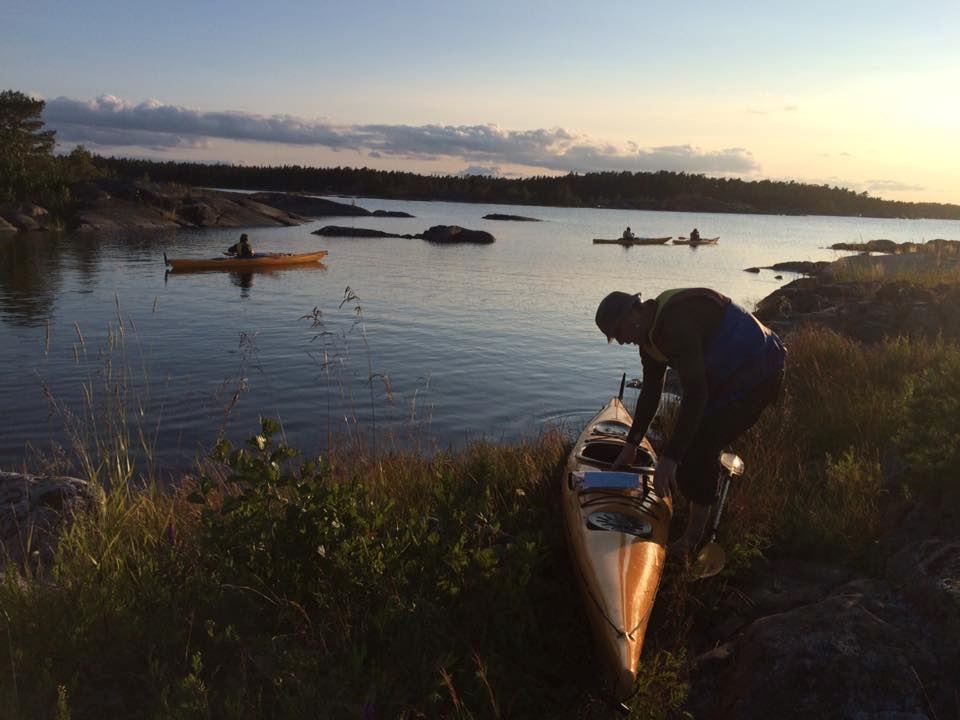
[463, 342]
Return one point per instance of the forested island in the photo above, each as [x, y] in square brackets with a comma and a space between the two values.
[53, 184]
[625, 190]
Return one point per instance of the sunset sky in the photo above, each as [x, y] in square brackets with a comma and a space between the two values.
[858, 94]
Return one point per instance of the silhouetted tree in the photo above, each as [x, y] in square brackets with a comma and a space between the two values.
[26, 149]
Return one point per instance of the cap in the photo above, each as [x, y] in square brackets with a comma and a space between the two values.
[612, 310]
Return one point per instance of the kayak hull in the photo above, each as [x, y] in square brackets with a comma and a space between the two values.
[632, 241]
[261, 260]
[704, 241]
[617, 541]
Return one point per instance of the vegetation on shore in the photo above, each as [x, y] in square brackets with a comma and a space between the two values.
[634, 191]
[31, 172]
[273, 585]
[29, 169]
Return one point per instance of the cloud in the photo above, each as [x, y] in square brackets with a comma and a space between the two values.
[112, 122]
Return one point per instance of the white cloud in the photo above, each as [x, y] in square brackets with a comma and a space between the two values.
[112, 122]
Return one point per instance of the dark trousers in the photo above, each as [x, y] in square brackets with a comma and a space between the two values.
[699, 470]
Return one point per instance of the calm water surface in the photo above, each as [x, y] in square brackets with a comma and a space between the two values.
[463, 342]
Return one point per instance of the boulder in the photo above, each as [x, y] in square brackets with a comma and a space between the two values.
[841, 657]
[391, 214]
[927, 572]
[33, 510]
[515, 218]
[198, 213]
[20, 221]
[447, 234]
[340, 231]
[868, 311]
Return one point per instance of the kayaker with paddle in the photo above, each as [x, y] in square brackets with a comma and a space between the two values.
[628, 234]
[241, 248]
[730, 367]
[694, 236]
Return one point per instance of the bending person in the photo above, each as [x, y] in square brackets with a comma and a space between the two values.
[730, 366]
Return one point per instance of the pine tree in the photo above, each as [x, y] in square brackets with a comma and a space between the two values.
[26, 149]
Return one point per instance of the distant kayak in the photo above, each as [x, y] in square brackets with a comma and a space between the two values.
[237, 263]
[633, 241]
[702, 241]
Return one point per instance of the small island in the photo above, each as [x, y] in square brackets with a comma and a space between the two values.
[515, 218]
[440, 234]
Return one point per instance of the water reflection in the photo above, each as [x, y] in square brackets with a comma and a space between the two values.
[30, 278]
[33, 267]
[245, 279]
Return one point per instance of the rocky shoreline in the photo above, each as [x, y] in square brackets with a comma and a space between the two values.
[803, 640]
[110, 205]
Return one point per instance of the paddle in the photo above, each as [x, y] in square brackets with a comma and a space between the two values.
[712, 557]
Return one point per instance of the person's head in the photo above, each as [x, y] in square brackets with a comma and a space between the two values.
[243, 237]
[613, 312]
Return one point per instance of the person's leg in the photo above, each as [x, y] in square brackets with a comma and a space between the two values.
[699, 472]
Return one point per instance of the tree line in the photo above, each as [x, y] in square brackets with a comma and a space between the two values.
[661, 190]
[31, 170]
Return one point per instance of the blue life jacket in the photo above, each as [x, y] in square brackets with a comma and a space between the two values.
[740, 354]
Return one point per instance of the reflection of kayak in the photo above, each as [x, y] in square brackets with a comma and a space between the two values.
[260, 260]
[632, 241]
[617, 534]
[702, 241]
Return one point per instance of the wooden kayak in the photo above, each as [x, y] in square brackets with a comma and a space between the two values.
[702, 241]
[617, 534]
[260, 260]
[633, 241]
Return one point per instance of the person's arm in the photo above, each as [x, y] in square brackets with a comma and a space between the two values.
[649, 399]
[647, 404]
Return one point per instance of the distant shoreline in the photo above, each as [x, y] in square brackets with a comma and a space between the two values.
[668, 191]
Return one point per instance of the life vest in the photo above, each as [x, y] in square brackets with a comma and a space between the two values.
[740, 354]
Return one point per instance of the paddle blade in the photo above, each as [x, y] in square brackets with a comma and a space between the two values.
[710, 561]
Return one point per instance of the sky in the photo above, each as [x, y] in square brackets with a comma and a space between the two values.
[862, 95]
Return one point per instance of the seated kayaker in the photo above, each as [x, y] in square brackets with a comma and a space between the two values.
[628, 234]
[730, 367]
[242, 248]
[694, 235]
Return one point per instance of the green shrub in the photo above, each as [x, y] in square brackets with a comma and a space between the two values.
[930, 435]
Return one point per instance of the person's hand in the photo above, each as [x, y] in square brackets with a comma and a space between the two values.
[626, 457]
[665, 477]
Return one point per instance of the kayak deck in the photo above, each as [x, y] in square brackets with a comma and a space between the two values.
[633, 241]
[259, 260]
[617, 530]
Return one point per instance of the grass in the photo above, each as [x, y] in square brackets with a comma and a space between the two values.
[926, 269]
[408, 585]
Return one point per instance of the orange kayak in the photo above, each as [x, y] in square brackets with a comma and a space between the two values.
[617, 531]
[257, 261]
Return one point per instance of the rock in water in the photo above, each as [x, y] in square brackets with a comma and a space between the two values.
[446, 234]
